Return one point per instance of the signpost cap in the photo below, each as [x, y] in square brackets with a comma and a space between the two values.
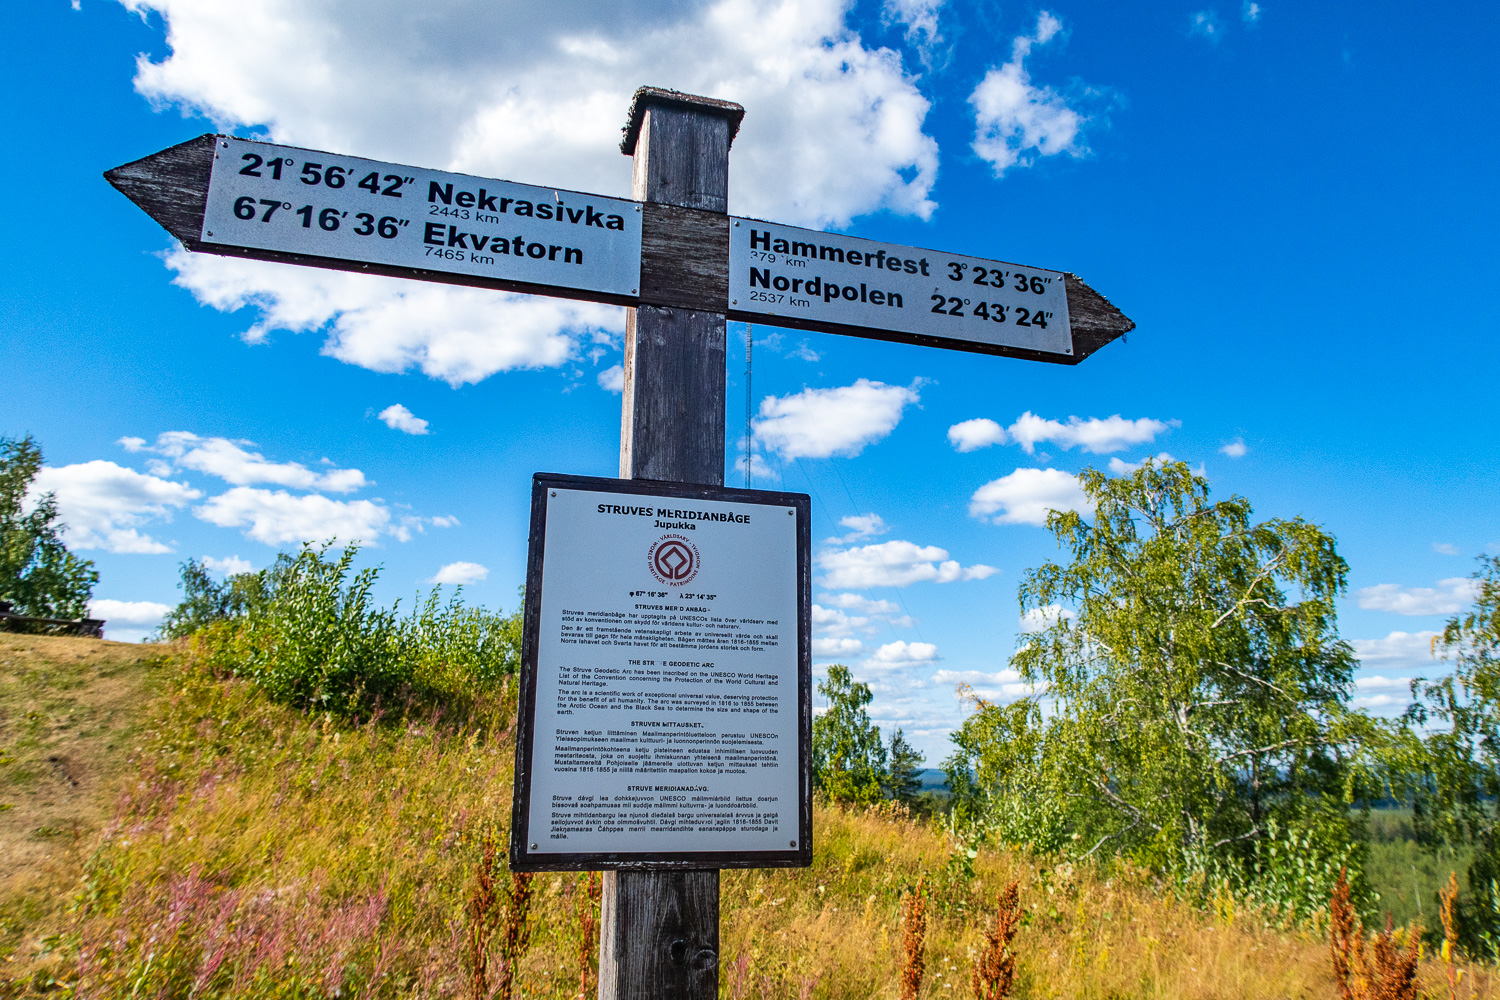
[646, 97]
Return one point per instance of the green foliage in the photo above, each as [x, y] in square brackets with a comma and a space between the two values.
[1193, 700]
[848, 757]
[1292, 871]
[38, 575]
[205, 601]
[902, 779]
[1454, 758]
[1406, 873]
[306, 630]
[1001, 796]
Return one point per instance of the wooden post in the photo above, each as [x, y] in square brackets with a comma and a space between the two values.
[659, 932]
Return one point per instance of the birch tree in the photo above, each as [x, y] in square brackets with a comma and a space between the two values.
[1191, 687]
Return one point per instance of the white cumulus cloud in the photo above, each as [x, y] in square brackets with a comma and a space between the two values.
[457, 335]
[1235, 448]
[278, 517]
[920, 19]
[971, 435]
[903, 654]
[1026, 495]
[1120, 467]
[612, 379]
[1449, 597]
[128, 612]
[893, 564]
[534, 93]
[233, 463]
[1016, 121]
[228, 566]
[863, 526]
[819, 423]
[1000, 686]
[1095, 435]
[832, 648]
[1206, 24]
[103, 504]
[399, 418]
[1397, 651]
[1445, 548]
[1038, 619]
[867, 607]
[460, 573]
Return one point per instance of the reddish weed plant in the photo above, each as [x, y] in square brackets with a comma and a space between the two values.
[1386, 972]
[483, 916]
[915, 941]
[517, 932]
[995, 971]
[1448, 896]
[588, 932]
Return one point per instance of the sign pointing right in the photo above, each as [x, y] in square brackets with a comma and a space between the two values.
[843, 284]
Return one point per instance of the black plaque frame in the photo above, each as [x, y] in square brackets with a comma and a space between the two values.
[801, 856]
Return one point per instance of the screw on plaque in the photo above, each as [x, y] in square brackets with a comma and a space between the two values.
[533, 847]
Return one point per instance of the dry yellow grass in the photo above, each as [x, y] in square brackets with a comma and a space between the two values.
[1088, 933]
[68, 710]
[258, 851]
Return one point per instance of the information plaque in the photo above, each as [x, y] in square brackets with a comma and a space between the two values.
[666, 675]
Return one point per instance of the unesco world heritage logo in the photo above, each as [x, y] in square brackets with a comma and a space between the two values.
[673, 560]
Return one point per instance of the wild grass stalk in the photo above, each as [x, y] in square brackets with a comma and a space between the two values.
[915, 941]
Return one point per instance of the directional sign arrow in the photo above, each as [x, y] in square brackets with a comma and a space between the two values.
[239, 198]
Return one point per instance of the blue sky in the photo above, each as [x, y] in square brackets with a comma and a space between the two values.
[1295, 203]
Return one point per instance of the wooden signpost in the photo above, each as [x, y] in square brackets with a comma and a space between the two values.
[682, 266]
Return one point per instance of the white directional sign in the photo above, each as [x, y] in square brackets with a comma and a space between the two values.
[298, 201]
[224, 195]
[664, 678]
[824, 279]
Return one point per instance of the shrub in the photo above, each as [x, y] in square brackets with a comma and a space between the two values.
[308, 632]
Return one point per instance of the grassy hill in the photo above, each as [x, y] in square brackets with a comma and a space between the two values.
[167, 832]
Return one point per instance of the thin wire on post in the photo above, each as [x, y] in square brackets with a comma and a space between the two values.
[749, 427]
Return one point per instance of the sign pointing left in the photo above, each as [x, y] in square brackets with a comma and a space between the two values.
[240, 198]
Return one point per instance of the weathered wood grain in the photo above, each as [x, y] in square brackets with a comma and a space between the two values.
[1094, 319]
[674, 369]
[682, 155]
[684, 257]
[171, 186]
[659, 936]
[661, 97]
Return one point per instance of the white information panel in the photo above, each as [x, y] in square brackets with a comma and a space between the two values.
[824, 278]
[301, 201]
[666, 716]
